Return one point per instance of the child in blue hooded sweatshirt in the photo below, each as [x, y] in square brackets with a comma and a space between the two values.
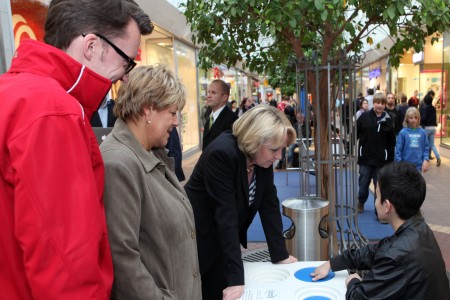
[412, 142]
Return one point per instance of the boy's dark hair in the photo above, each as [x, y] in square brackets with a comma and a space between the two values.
[403, 186]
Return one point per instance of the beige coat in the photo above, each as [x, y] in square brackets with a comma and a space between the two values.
[150, 223]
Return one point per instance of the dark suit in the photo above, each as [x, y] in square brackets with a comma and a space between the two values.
[224, 122]
[218, 191]
[96, 122]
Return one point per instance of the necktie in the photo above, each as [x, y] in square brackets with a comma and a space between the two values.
[211, 120]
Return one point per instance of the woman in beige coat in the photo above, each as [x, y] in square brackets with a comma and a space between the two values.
[149, 217]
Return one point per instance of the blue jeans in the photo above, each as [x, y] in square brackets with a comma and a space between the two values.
[430, 135]
[366, 174]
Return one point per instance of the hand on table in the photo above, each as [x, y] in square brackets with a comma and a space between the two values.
[321, 271]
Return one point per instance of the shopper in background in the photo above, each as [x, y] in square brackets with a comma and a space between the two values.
[220, 118]
[234, 107]
[54, 243]
[232, 181]
[429, 123]
[412, 142]
[414, 100]
[376, 145]
[369, 97]
[392, 110]
[175, 151]
[402, 108]
[245, 105]
[364, 107]
[104, 116]
[150, 220]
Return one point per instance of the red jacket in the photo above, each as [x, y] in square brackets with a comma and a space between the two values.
[53, 241]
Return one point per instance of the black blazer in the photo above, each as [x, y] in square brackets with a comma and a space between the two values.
[96, 122]
[218, 192]
[224, 122]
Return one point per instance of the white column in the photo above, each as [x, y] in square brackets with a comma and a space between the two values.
[6, 37]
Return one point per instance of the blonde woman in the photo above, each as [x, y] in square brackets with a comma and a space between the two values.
[233, 180]
[150, 220]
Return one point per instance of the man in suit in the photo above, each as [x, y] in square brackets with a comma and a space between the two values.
[221, 117]
[104, 116]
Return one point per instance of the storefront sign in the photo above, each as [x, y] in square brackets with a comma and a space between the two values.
[417, 57]
[28, 20]
[374, 73]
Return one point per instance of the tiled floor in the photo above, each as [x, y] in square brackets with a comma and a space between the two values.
[436, 207]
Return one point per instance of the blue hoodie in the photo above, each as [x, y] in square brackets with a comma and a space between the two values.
[412, 146]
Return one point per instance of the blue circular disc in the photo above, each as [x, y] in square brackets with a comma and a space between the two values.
[317, 298]
[304, 275]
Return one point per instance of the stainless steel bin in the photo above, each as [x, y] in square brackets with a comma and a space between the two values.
[308, 237]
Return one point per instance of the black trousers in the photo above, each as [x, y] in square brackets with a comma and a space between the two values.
[213, 281]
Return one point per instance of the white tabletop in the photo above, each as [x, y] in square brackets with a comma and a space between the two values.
[264, 280]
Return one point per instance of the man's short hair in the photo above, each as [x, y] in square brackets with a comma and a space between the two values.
[370, 92]
[379, 98]
[403, 186]
[68, 19]
[224, 86]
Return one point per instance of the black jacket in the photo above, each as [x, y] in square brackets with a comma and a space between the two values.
[96, 122]
[395, 117]
[218, 191]
[428, 116]
[224, 122]
[406, 265]
[174, 147]
[376, 139]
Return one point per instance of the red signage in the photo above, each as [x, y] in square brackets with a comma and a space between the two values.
[28, 18]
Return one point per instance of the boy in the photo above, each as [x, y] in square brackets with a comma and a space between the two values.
[406, 265]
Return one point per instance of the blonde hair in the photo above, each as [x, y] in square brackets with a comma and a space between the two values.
[411, 111]
[262, 125]
[154, 87]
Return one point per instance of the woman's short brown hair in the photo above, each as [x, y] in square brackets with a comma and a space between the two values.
[154, 87]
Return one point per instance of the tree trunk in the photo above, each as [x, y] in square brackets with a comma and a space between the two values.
[325, 176]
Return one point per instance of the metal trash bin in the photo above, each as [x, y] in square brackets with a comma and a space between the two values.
[308, 237]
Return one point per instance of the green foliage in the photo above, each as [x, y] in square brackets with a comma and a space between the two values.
[283, 77]
[264, 34]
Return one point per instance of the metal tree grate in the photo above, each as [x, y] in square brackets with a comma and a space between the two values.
[330, 84]
[260, 255]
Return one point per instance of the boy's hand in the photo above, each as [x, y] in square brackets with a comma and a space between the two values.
[321, 271]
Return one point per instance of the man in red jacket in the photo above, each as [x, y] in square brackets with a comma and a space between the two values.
[54, 242]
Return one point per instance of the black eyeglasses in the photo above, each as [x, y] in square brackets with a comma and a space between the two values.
[130, 61]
